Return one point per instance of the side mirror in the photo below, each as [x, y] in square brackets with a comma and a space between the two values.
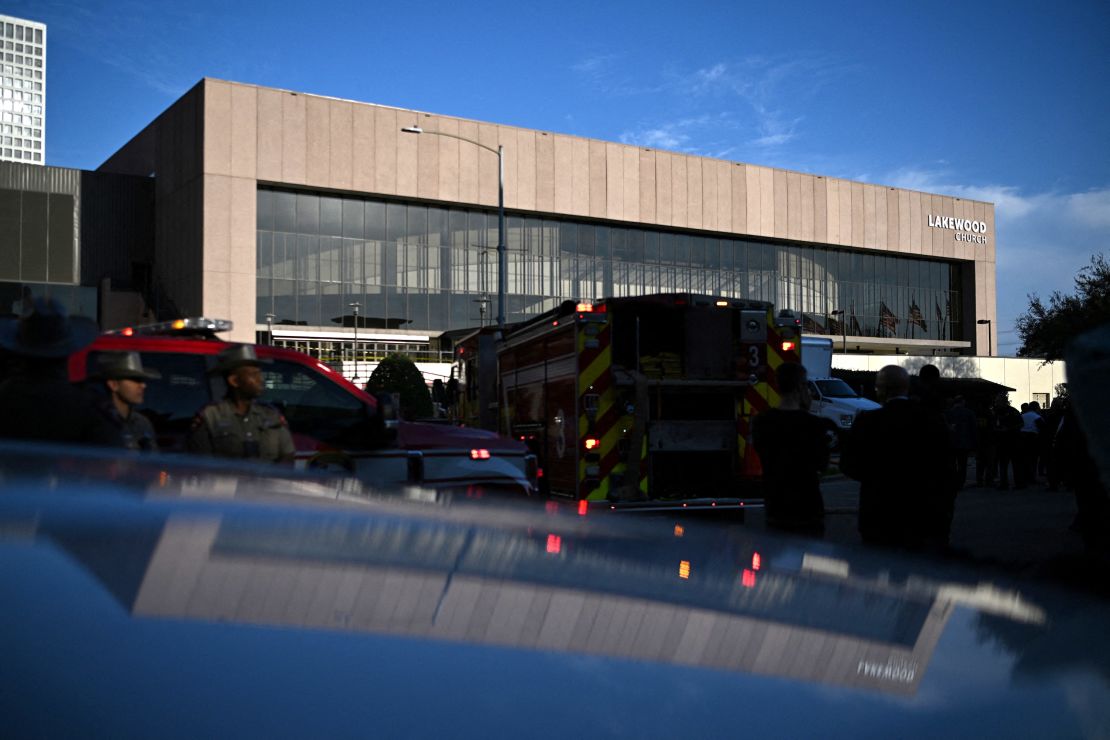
[383, 423]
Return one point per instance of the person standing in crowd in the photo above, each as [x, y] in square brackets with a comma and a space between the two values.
[986, 450]
[125, 379]
[1053, 418]
[927, 388]
[961, 430]
[902, 457]
[1007, 426]
[1029, 440]
[793, 447]
[37, 401]
[241, 426]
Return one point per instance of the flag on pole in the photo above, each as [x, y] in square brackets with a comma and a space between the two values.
[853, 325]
[887, 319]
[940, 319]
[915, 316]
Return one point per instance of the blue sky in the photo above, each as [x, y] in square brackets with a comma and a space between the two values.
[1007, 102]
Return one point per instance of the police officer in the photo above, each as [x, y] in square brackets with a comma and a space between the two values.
[125, 378]
[37, 401]
[240, 426]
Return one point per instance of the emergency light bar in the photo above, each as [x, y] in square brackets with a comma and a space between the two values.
[179, 327]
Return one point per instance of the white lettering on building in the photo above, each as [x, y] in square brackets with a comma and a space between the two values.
[902, 671]
[962, 226]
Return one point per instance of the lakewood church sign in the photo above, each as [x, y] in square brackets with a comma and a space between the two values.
[967, 230]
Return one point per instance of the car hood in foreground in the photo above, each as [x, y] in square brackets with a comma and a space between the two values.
[189, 602]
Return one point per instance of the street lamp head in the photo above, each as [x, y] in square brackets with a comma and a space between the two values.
[412, 130]
[983, 321]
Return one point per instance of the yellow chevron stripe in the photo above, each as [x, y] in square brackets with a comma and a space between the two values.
[600, 365]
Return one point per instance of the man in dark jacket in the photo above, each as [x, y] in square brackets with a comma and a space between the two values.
[125, 379]
[903, 459]
[793, 447]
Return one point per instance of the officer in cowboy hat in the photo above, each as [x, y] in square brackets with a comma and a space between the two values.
[37, 401]
[241, 426]
[125, 378]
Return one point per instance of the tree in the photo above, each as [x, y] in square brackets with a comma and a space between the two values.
[1047, 329]
[399, 374]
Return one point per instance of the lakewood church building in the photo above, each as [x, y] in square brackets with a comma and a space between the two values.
[293, 214]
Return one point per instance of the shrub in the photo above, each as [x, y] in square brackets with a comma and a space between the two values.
[399, 374]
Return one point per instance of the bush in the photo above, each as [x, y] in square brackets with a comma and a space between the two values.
[398, 374]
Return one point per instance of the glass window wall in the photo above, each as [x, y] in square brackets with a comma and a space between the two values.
[430, 268]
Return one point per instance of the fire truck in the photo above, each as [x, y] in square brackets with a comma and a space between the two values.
[632, 400]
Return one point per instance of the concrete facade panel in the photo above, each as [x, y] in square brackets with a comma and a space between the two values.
[293, 138]
[766, 201]
[317, 142]
[857, 214]
[781, 203]
[489, 135]
[217, 128]
[870, 218]
[805, 188]
[820, 209]
[562, 152]
[648, 186]
[243, 218]
[844, 195]
[525, 170]
[794, 208]
[665, 184]
[341, 120]
[386, 133]
[695, 193]
[893, 219]
[738, 174]
[244, 132]
[722, 172]
[469, 164]
[917, 221]
[614, 181]
[407, 153]
[598, 178]
[363, 176]
[832, 205]
[217, 223]
[545, 172]
[270, 135]
[427, 162]
[448, 159]
[680, 191]
[631, 156]
[880, 218]
[580, 171]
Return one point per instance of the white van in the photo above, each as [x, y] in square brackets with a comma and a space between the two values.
[833, 399]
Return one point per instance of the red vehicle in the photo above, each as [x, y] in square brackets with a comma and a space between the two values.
[633, 401]
[335, 424]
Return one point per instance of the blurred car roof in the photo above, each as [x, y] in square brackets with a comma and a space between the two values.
[181, 597]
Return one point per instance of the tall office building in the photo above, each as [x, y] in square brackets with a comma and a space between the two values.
[23, 86]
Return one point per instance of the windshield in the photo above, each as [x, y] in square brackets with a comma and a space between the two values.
[835, 389]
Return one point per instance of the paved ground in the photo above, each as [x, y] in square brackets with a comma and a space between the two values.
[1024, 533]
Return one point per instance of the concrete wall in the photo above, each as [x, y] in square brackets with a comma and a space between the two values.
[230, 136]
[1025, 376]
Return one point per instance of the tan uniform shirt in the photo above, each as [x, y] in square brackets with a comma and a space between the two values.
[261, 434]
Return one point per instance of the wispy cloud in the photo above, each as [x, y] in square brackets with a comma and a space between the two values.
[757, 99]
[1042, 240]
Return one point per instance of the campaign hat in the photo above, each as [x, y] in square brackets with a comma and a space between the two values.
[123, 366]
[47, 331]
[237, 356]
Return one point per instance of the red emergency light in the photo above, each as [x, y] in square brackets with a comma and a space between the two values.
[482, 454]
[591, 443]
[554, 544]
[789, 346]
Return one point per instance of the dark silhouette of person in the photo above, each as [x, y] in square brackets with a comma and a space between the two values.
[1007, 426]
[793, 447]
[902, 456]
[37, 401]
[962, 432]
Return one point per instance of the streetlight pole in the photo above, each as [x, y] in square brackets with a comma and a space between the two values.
[843, 330]
[355, 306]
[990, 343]
[270, 328]
[502, 253]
